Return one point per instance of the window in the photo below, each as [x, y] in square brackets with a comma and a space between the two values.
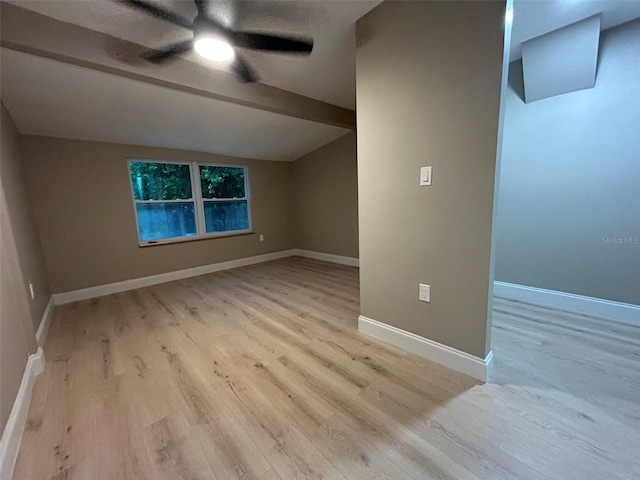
[224, 197]
[181, 201]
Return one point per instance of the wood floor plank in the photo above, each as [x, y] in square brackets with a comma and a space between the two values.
[357, 457]
[453, 413]
[559, 460]
[271, 475]
[176, 453]
[376, 426]
[230, 450]
[289, 451]
[260, 373]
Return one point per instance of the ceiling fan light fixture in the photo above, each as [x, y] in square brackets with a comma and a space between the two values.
[216, 41]
[214, 48]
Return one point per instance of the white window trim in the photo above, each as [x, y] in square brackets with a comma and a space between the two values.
[247, 198]
[196, 199]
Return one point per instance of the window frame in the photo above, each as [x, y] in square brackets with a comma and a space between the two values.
[247, 197]
[196, 198]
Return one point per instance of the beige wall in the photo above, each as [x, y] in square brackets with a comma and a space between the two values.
[325, 183]
[22, 261]
[428, 78]
[82, 200]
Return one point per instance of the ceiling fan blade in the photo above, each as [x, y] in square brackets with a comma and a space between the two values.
[158, 12]
[244, 70]
[167, 53]
[273, 43]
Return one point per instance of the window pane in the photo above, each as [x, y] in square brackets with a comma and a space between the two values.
[160, 181]
[222, 182]
[166, 220]
[226, 216]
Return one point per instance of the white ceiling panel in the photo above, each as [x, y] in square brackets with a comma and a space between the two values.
[562, 61]
[533, 18]
[46, 97]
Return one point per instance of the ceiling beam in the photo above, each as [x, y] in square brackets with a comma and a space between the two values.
[29, 32]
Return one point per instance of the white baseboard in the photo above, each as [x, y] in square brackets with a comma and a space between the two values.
[43, 328]
[620, 312]
[475, 367]
[108, 289]
[125, 285]
[12, 435]
[328, 257]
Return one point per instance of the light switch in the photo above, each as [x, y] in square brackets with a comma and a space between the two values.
[425, 176]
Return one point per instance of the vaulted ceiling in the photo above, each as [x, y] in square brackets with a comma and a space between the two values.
[328, 75]
[69, 70]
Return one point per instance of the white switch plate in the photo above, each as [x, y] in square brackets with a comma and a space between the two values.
[262, 238]
[425, 176]
[425, 293]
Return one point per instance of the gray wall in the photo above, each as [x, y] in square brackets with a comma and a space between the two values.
[21, 262]
[570, 177]
[82, 201]
[428, 93]
[325, 183]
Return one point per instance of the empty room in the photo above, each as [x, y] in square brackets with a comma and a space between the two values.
[315, 239]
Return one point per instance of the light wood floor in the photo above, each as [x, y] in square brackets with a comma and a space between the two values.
[260, 373]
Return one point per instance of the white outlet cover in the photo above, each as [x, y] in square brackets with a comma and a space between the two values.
[425, 293]
[262, 238]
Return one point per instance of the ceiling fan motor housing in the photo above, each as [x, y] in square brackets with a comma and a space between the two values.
[203, 28]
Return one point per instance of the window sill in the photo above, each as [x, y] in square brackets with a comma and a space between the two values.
[196, 239]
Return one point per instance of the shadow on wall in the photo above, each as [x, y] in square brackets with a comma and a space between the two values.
[516, 79]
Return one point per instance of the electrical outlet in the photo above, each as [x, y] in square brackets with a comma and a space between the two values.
[33, 293]
[262, 238]
[425, 293]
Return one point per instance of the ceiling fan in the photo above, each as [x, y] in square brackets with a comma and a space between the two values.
[214, 41]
